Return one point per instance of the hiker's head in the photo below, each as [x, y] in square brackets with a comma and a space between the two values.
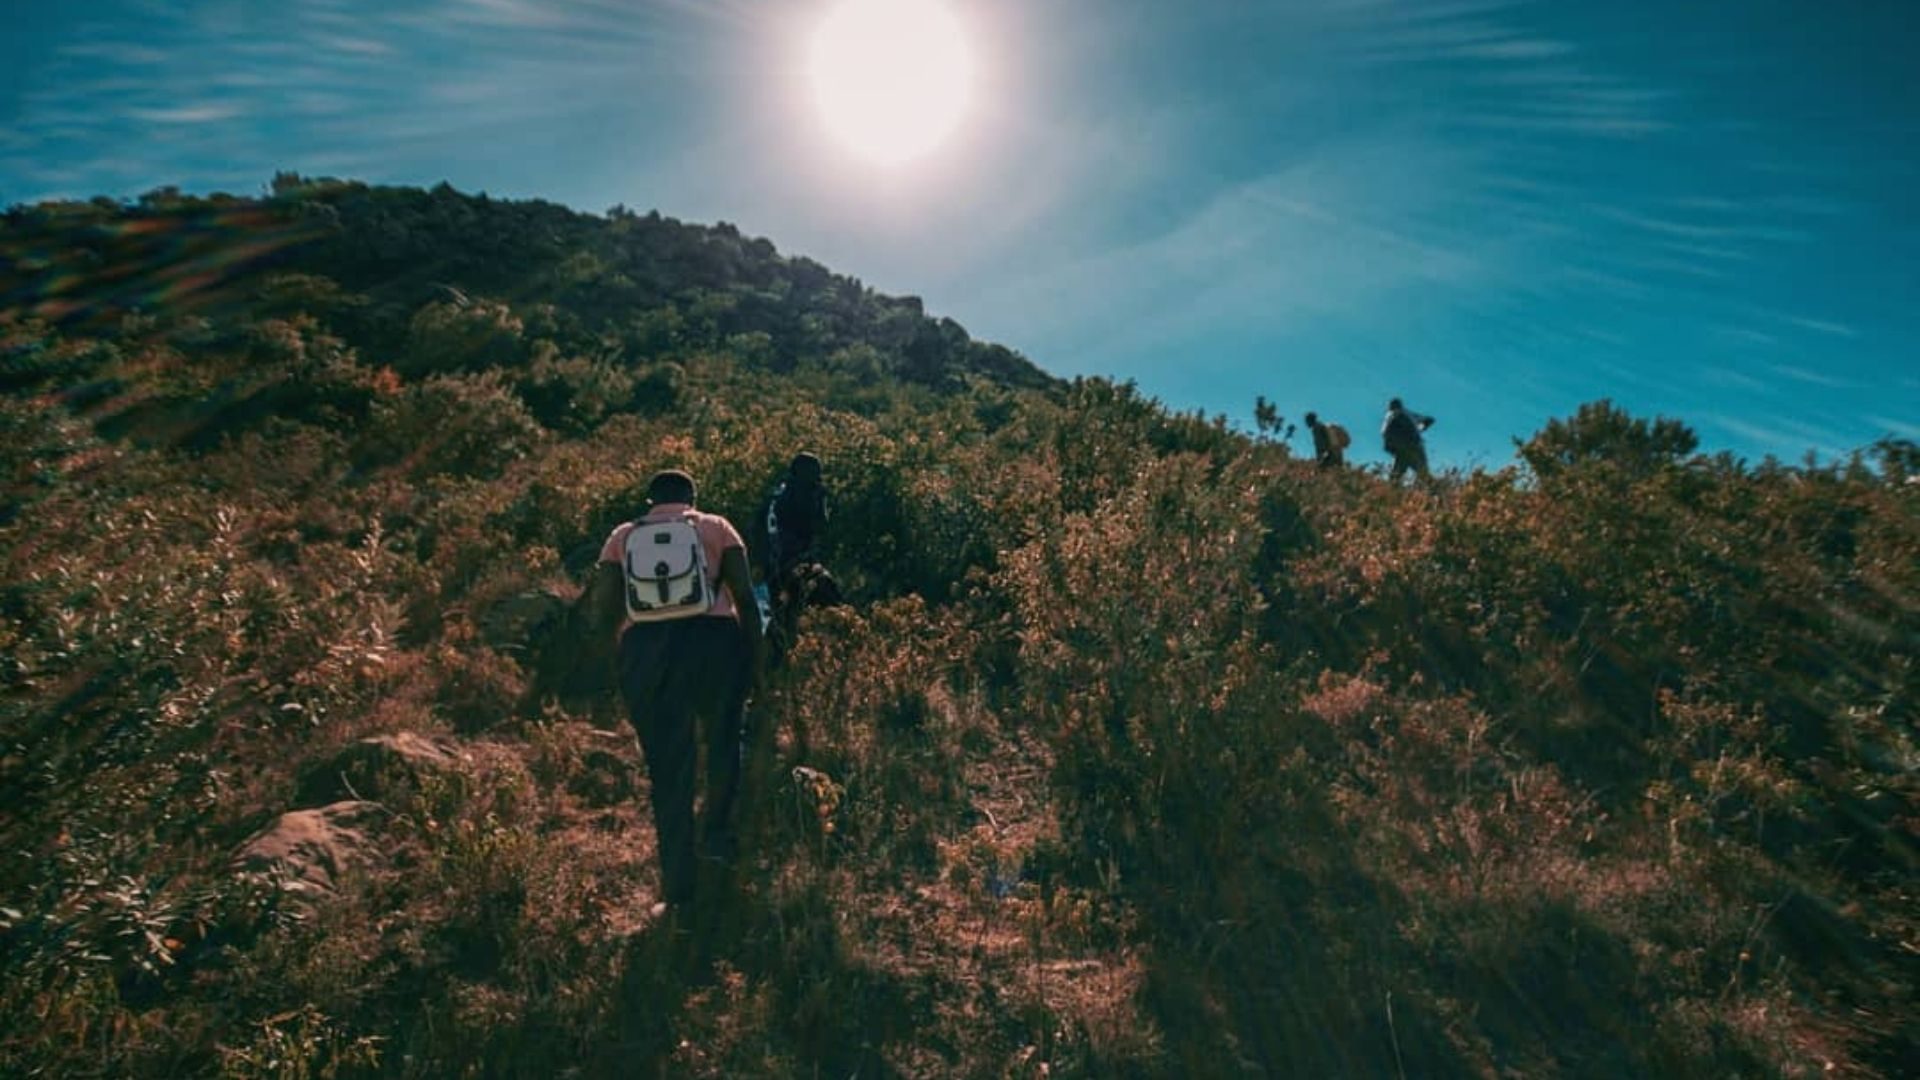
[1394, 405]
[1312, 419]
[805, 468]
[670, 486]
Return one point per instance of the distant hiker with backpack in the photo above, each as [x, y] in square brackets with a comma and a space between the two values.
[793, 526]
[795, 516]
[1330, 442]
[1402, 434]
[677, 584]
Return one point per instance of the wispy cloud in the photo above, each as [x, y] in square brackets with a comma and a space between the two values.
[187, 114]
[1335, 232]
[1752, 228]
[1726, 378]
[1812, 378]
[1745, 335]
[331, 78]
[1530, 82]
[1686, 230]
[516, 13]
[1905, 429]
[114, 52]
[1823, 326]
[622, 18]
[1514, 48]
[358, 46]
[1780, 435]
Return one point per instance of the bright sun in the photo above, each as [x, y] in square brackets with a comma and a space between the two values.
[892, 78]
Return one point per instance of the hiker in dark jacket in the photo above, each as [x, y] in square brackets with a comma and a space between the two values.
[791, 533]
[1401, 433]
[678, 674]
[1329, 442]
[795, 517]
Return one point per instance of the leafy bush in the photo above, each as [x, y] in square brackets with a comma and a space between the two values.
[458, 425]
[1602, 433]
[658, 389]
[575, 394]
[449, 336]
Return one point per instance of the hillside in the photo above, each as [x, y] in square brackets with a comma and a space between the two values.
[1144, 747]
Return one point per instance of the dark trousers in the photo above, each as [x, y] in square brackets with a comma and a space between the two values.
[670, 674]
[1408, 457]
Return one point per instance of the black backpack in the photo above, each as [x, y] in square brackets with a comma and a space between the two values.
[788, 520]
[1401, 430]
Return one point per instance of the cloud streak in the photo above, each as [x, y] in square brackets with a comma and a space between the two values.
[208, 113]
[209, 92]
[1812, 378]
[1904, 429]
[1332, 233]
[1781, 433]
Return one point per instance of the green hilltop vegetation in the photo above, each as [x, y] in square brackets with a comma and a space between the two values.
[1144, 747]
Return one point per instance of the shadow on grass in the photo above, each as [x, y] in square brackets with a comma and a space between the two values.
[753, 981]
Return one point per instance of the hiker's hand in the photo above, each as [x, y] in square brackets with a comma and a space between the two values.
[757, 672]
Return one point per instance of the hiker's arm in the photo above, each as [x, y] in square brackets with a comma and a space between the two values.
[603, 606]
[738, 580]
[603, 603]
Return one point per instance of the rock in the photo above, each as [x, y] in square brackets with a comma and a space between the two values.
[520, 623]
[375, 767]
[306, 851]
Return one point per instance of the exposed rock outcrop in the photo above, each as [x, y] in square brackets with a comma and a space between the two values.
[307, 851]
[375, 767]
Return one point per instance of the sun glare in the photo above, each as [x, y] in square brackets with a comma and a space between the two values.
[892, 78]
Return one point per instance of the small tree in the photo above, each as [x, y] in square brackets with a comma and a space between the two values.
[1899, 458]
[1268, 421]
[1601, 432]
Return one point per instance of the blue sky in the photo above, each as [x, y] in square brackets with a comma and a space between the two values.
[1496, 210]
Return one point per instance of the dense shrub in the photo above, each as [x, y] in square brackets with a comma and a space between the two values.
[574, 394]
[451, 336]
[460, 425]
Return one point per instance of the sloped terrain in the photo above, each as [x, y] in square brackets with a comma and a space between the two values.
[1143, 748]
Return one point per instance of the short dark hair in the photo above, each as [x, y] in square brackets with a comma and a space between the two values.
[671, 486]
[1312, 419]
[805, 468]
[1395, 404]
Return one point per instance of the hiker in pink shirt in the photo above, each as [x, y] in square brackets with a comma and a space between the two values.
[717, 535]
[675, 582]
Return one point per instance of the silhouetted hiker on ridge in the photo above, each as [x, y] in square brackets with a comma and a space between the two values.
[677, 584]
[1401, 433]
[1330, 442]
